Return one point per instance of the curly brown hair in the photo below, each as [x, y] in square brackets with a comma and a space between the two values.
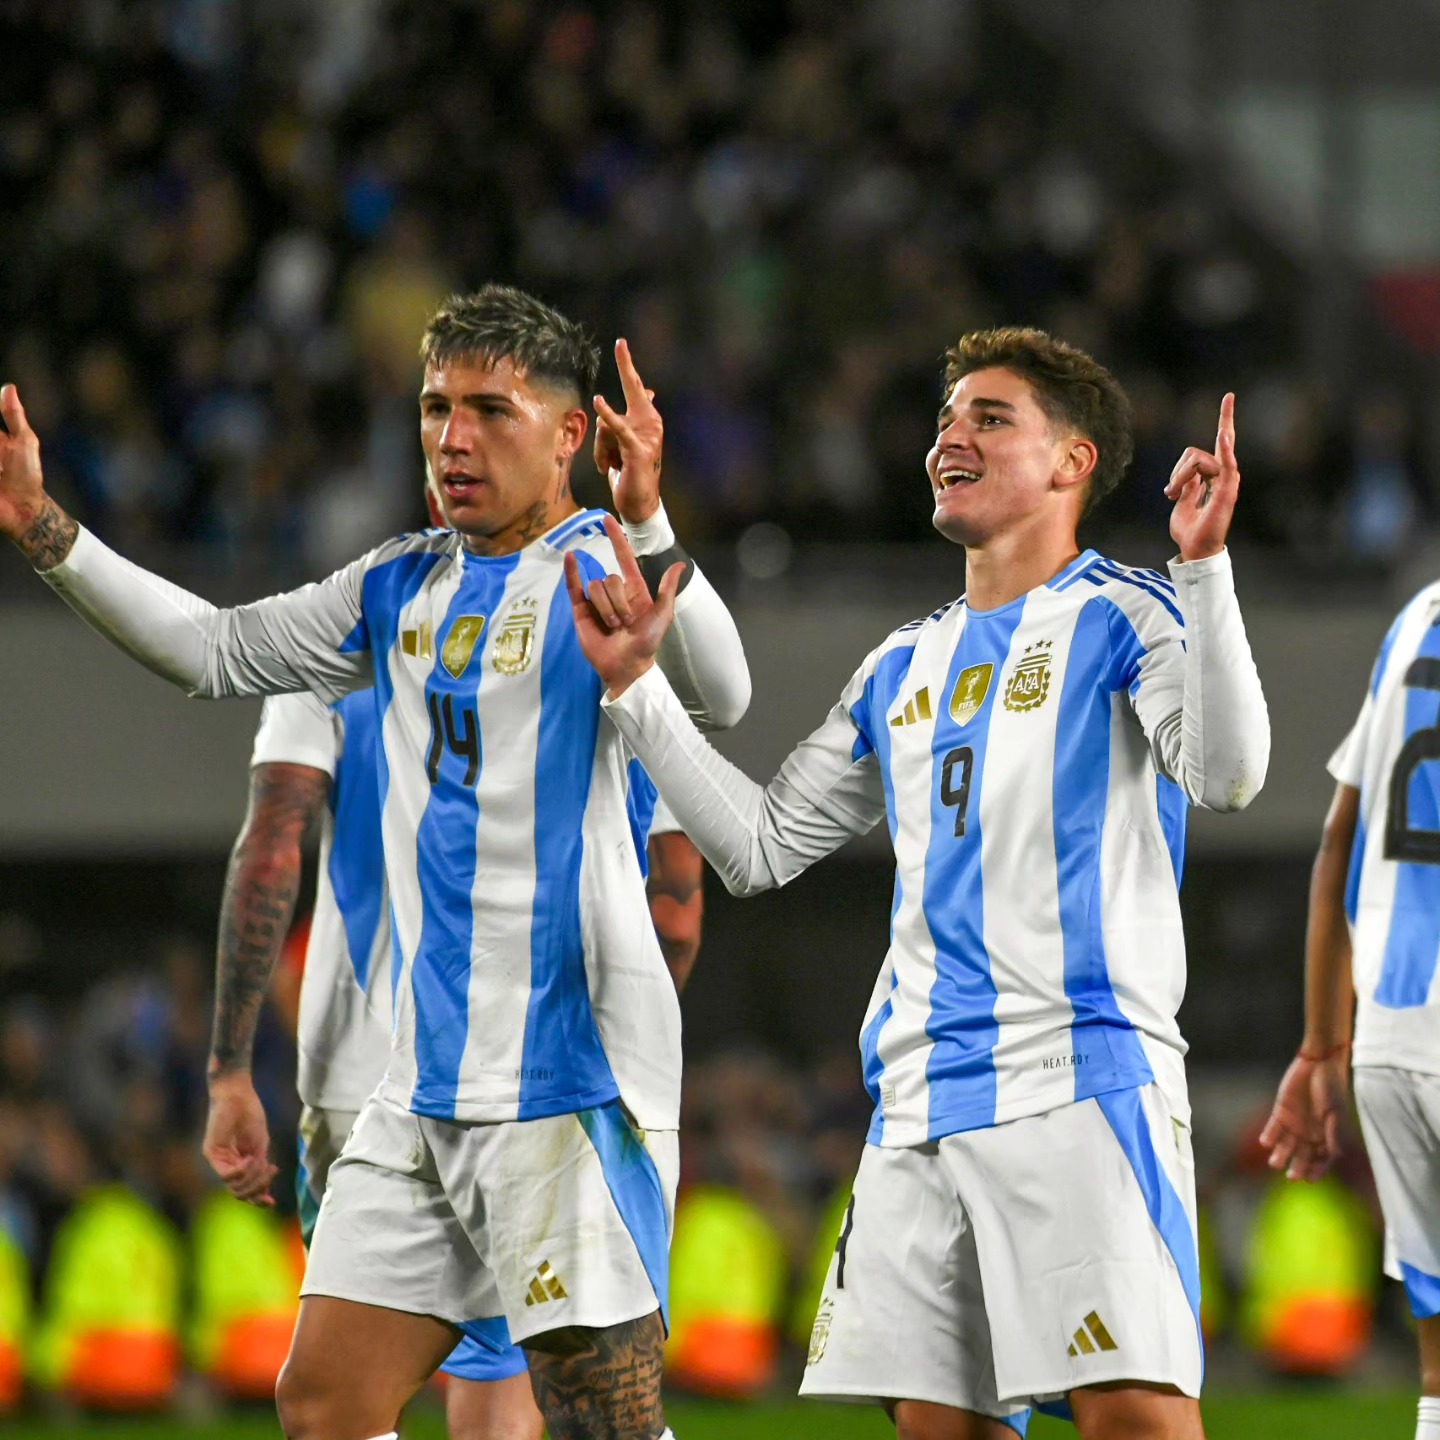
[1076, 392]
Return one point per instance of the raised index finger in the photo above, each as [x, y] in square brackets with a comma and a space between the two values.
[1225, 435]
[630, 382]
[624, 555]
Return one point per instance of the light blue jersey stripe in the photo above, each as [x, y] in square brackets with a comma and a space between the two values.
[445, 851]
[1357, 866]
[1174, 811]
[569, 529]
[357, 855]
[869, 714]
[563, 1061]
[640, 796]
[1411, 947]
[635, 1187]
[1122, 1108]
[960, 1069]
[1157, 589]
[1104, 656]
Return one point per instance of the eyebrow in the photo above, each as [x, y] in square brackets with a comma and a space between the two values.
[478, 397]
[947, 412]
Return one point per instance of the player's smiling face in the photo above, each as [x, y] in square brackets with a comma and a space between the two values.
[498, 450]
[997, 459]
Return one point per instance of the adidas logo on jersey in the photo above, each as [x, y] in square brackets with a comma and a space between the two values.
[419, 643]
[545, 1286]
[917, 708]
[1092, 1336]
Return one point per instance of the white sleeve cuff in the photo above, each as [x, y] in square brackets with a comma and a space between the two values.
[650, 536]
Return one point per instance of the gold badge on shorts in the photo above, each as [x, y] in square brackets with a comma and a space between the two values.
[515, 638]
[460, 644]
[971, 688]
[1030, 681]
[820, 1335]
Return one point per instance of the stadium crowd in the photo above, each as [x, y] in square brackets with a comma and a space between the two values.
[225, 225]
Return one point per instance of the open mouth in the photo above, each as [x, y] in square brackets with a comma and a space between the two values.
[458, 485]
[949, 479]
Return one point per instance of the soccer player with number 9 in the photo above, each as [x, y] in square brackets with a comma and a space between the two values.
[1023, 1223]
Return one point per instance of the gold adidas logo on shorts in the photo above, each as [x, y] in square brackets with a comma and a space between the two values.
[545, 1285]
[1092, 1336]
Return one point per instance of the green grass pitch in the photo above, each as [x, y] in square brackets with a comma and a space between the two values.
[1315, 1414]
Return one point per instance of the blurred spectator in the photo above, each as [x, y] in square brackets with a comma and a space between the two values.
[230, 221]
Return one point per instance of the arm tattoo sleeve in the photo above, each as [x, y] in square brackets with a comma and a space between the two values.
[49, 538]
[259, 903]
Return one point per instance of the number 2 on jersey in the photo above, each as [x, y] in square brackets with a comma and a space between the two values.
[955, 772]
[1402, 842]
[463, 741]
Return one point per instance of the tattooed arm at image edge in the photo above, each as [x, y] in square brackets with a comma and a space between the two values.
[259, 903]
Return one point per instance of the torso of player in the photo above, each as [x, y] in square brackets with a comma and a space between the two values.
[1036, 949]
[1393, 894]
[529, 980]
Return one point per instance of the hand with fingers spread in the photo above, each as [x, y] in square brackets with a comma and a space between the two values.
[237, 1140]
[619, 625]
[1204, 487]
[628, 446]
[1303, 1131]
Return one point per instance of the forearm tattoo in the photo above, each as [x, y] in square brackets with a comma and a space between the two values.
[49, 537]
[600, 1384]
[259, 903]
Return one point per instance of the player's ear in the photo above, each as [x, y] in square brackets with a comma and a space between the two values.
[1078, 458]
[573, 428]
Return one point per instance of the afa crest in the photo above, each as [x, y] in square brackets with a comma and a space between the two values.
[460, 644]
[515, 639]
[971, 687]
[1030, 681]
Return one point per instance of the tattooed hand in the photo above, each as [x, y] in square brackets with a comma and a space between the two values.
[628, 446]
[28, 516]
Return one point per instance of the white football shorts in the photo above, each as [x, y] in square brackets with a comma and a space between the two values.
[1000, 1268]
[1400, 1117]
[536, 1223]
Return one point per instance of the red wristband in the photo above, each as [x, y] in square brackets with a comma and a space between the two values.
[1329, 1054]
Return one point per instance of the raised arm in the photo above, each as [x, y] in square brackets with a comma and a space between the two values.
[304, 640]
[701, 655]
[1199, 697]
[255, 915]
[757, 838]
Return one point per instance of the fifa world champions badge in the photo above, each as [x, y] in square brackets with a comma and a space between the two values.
[1029, 683]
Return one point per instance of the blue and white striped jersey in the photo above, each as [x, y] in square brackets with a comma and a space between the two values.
[346, 1009]
[1026, 760]
[527, 977]
[1392, 896]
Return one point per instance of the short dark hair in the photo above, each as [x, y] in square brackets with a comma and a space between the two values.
[499, 322]
[1074, 390]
